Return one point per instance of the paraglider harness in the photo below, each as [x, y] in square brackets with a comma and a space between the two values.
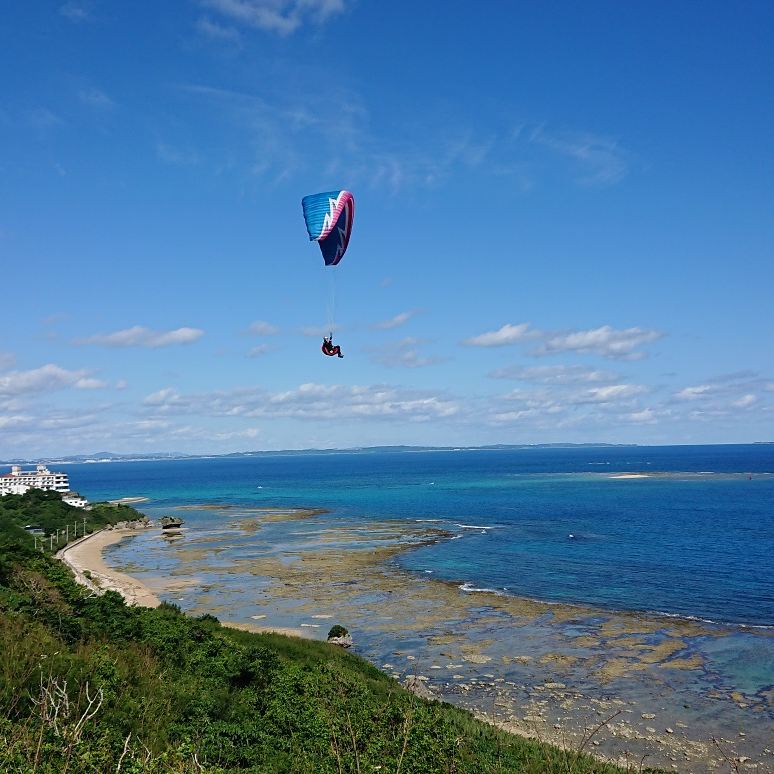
[329, 349]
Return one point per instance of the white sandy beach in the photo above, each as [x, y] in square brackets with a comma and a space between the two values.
[85, 556]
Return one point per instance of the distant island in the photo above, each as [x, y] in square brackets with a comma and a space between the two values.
[104, 457]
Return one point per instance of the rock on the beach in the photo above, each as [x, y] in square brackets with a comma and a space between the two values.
[342, 642]
[418, 687]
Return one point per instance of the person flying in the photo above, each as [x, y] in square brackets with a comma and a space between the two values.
[328, 347]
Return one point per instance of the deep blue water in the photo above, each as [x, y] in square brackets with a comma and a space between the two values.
[698, 544]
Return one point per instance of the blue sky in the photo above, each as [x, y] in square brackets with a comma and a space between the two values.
[564, 226]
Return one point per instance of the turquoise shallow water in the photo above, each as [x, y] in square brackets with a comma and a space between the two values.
[695, 538]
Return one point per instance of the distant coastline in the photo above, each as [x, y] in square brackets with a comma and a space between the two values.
[108, 457]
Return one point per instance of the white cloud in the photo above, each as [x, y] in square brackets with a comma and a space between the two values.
[261, 349]
[87, 383]
[645, 416]
[262, 328]
[44, 379]
[612, 392]
[558, 374]
[508, 334]
[310, 401]
[605, 341]
[139, 336]
[395, 322]
[692, 393]
[165, 397]
[280, 16]
[746, 401]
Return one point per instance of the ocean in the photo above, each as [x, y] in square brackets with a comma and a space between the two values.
[543, 587]
[678, 530]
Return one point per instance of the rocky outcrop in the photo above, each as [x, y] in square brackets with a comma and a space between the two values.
[143, 523]
[344, 641]
[417, 684]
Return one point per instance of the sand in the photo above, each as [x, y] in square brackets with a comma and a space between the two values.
[286, 630]
[85, 556]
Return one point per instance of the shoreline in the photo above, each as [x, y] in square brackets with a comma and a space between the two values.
[86, 555]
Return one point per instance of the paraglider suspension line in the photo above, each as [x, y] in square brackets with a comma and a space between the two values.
[331, 299]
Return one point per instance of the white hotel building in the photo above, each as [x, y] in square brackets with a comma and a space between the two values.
[18, 481]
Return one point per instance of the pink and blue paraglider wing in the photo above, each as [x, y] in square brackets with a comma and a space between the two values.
[329, 219]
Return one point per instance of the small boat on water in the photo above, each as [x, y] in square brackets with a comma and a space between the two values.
[170, 523]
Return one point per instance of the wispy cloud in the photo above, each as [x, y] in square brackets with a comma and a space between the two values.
[556, 374]
[279, 16]
[310, 402]
[611, 393]
[139, 336]
[287, 131]
[395, 322]
[508, 334]
[96, 98]
[557, 405]
[605, 341]
[261, 349]
[693, 393]
[41, 119]
[76, 11]
[725, 394]
[218, 32]
[261, 328]
[600, 161]
[405, 353]
[178, 157]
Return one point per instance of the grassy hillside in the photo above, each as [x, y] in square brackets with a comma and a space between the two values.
[88, 684]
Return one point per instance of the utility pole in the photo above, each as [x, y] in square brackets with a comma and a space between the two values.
[67, 533]
[51, 542]
[84, 525]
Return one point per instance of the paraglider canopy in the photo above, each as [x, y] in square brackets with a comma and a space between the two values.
[329, 219]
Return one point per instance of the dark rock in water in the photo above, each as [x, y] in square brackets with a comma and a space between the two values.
[344, 641]
[419, 688]
[171, 522]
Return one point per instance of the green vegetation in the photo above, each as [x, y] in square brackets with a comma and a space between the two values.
[88, 684]
[337, 631]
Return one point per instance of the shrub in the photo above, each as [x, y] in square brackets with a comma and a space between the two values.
[337, 631]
